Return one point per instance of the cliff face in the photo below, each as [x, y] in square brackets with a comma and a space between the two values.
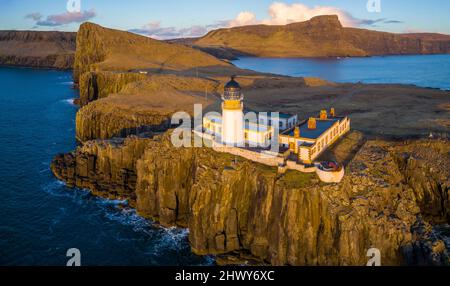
[388, 200]
[37, 49]
[102, 49]
[114, 95]
[96, 85]
[145, 103]
[233, 204]
[322, 36]
[102, 120]
[107, 169]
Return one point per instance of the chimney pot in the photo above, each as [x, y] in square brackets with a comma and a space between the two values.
[297, 132]
[312, 124]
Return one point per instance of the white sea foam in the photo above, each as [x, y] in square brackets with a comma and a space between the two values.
[161, 240]
[70, 101]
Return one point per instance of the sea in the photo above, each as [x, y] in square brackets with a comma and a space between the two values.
[41, 219]
[432, 71]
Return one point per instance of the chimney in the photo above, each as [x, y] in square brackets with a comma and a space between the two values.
[312, 123]
[323, 115]
[333, 112]
[297, 132]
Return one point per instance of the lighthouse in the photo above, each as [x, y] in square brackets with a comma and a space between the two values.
[233, 114]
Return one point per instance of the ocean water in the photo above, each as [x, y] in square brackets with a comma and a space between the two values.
[40, 219]
[421, 70]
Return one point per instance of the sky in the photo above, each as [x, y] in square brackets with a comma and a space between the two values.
[165, 19]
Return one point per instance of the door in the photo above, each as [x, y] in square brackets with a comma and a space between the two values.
[292, 146]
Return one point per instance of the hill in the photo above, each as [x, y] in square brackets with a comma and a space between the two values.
[322, 36]
[103, 49]
[37, 49]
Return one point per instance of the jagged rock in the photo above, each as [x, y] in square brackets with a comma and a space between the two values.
[107, 168]
[234, 205]
[96, 85]
[147, 104]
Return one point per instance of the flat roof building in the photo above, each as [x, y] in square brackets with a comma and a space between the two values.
[312, 137]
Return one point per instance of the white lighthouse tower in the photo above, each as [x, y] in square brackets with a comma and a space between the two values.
[233, 114]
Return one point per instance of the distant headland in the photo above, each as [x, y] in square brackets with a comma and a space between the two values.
[37, 49]
[322, 36]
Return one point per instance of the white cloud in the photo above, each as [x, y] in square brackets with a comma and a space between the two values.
[279, 14]
[156, 31]
[282, 14]
[64, 18]
[243, 19]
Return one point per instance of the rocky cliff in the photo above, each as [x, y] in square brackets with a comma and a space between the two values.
[144, 104]
[97, 85]
[322, 36]
[107, 169]
[102, 49]
[387, 200]
[391, 196]
[37, 49]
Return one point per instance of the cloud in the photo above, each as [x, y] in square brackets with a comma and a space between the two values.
[243, 19]
[34, 16]
[282, 14]
[279, 14]
[65, 18]
[393, 22]
[156, 31]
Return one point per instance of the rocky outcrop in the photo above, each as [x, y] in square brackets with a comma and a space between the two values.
[106, 168]
[232, 204]
[96, 85]
[90, 50]
[425, 169]
[322, 36]
[102, 49]
[99, 120]
[388, 200]
[37, 49]
[144, 103]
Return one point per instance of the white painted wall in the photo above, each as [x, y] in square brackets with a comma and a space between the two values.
[232, 127]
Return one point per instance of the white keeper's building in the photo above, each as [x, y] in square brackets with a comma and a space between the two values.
[307, 139]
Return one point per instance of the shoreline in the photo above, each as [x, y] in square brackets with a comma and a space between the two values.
[345, 70]
[36, 68]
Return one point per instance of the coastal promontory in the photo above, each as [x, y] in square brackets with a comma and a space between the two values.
[322, 36]
[394, 194]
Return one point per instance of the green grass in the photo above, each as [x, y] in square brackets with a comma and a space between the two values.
[294, 179]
